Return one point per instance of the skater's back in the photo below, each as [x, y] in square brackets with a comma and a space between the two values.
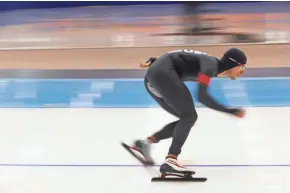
[188, 63]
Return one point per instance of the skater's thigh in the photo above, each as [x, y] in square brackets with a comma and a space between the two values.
[158, 99]
[174, 92]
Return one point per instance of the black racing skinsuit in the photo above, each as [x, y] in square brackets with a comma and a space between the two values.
[164, 81]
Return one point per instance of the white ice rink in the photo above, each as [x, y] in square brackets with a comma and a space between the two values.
[78, 151]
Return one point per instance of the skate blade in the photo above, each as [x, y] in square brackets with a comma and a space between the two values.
[176, 179]
[188, 173]
[129, 149]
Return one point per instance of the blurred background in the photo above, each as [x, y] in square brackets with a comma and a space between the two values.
[86, 55]
[99, 40]
[114, 24]
[139, 28]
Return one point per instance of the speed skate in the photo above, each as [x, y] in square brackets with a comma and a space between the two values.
[178, 177]
[168, 176]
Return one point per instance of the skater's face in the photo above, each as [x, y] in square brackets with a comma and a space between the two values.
[235, 72]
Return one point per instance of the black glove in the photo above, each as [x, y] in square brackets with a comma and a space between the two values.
[236, 112]
[151, 60]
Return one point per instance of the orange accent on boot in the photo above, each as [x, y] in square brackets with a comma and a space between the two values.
[152, 139]
[171, 156]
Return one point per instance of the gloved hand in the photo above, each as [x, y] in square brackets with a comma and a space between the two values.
[148, 63]
[238, 112]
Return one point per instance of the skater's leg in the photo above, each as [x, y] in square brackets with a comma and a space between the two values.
[167, 131]
[178, 101]
[143, 146]
[177, 96]
[156, 96]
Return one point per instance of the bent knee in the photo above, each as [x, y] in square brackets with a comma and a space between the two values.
[190, 116]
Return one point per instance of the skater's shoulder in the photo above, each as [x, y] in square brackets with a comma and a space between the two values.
[208, 61]
[208, 65]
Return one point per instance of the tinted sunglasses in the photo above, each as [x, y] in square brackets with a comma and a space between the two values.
[242, 66]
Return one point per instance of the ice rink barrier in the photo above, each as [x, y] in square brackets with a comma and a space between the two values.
[130, 93]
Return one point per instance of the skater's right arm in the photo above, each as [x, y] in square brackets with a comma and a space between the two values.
[208, 70]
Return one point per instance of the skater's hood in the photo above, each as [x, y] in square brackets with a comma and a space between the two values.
[232, 58]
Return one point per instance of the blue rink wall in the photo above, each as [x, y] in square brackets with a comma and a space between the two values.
[130, 93]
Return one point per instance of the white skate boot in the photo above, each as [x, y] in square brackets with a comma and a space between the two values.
[171, 171]
[170, 167]
[143, 147]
